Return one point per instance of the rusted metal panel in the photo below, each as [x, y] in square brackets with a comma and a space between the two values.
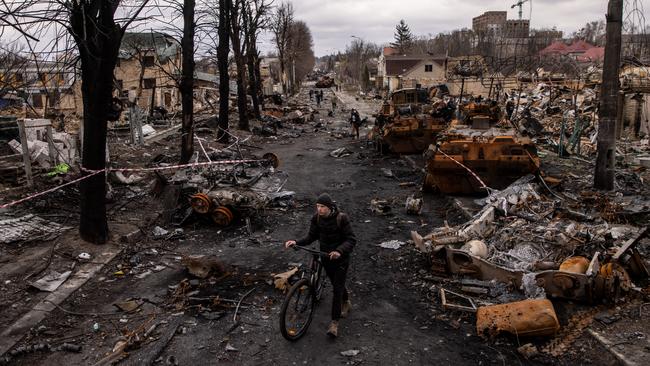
[534, 317]
[460, 262]
[413, 134]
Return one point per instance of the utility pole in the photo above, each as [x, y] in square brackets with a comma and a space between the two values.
[604, 174]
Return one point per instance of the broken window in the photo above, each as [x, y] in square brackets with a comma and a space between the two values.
[53, 99]
[149, 83]
[37, 101]
[410, 98]
[428, 68]
[148, 61]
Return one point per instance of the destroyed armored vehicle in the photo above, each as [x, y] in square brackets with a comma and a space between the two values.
[408, 123]
[474, 154]
[325, 82]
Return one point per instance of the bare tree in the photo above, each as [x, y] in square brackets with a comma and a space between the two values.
[97, 35]
[187, 82]
[280, 27]
[356, 56]
[256, 18]
[222, 60]
[239, 41]
[300, 53]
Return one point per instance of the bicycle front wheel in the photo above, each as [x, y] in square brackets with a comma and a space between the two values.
[297, 310]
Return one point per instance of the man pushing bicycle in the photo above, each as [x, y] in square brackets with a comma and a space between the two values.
[333, 231]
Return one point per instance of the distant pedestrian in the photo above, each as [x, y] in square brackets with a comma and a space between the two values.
[311, 94]
[510, 108]
[318, 98]
[355, 121]
[333, 103]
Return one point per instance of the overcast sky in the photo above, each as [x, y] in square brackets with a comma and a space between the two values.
[332, 22]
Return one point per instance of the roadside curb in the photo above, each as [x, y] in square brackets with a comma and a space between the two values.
[15, 332]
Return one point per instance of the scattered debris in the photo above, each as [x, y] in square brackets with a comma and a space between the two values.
[392, 244]
[159, 232]
[447, 304]
[27, 228]
[51, 281]
[380, 207]
[350, 353]
[528, 318]
[281, 281]
[341, 152]
[202, 266]
[413, 205]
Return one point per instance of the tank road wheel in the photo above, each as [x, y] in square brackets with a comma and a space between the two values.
[201, 203]
[222, 216]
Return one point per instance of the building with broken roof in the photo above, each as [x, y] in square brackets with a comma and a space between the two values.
[402, 71]
[41, 87]
[147, 68]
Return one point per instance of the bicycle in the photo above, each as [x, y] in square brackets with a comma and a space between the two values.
[298, 308]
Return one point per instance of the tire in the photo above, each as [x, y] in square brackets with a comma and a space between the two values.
[299, 292]
[319, 283]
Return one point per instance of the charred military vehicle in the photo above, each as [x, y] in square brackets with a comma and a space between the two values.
[474, 153]
[408, 122]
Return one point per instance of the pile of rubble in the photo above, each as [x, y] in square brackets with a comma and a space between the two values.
[528, 243]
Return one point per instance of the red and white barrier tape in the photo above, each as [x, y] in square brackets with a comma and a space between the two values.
[466, 168]
[93, 172]
[179, 166]
[49, 190]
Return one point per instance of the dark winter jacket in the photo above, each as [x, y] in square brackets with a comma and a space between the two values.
[332, 235]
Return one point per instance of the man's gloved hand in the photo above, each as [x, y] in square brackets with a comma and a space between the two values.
[334, 255]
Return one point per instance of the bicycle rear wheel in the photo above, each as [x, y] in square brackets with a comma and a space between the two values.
[297, 310]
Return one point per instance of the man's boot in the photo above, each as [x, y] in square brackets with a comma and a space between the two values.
[333, 330]
[345, 309]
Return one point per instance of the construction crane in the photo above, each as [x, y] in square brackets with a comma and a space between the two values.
[520, 4]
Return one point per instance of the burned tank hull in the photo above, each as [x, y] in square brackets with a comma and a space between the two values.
[497, 161]
[412, 135]
[408, 123]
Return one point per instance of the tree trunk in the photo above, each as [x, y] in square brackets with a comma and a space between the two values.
[258, 79]
[98, 39]
[252, 81]
[187, 82]
[282, 71]
[222, 62]
[605, 164]
[242, 101]
[235, 37]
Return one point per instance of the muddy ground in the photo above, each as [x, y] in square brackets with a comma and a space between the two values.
[396, 317]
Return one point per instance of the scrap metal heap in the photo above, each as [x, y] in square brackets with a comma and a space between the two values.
[473, 153]
[409, 122]
[527, 245]
[224, 195]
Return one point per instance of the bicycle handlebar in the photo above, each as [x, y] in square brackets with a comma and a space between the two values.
[312, 251]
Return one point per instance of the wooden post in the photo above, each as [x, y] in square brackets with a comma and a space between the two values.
[26, 158]
[138, 117]
[605, 160]
[619, 115]
[54, 156]
[132, 123]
